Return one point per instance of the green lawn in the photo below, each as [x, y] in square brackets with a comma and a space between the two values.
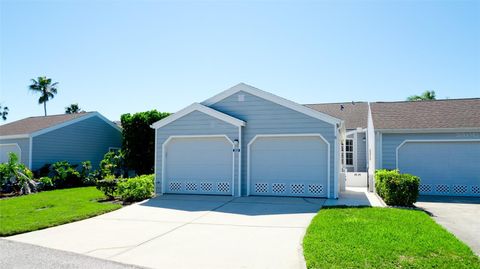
[382, 238]
[50, 208]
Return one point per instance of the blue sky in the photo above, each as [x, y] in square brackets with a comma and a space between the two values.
[119, 56]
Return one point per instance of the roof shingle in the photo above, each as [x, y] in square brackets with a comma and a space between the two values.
[354, 114]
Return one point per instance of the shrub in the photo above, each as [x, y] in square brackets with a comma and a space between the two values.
[395, 188]
[15, 176]
[45, 183]
[43, 171]
[136, 188]
[139, 140]
[64, 175]
[108, 186]
[112, 164]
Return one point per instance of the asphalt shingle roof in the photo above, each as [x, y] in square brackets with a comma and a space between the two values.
[354, 114]
[33, 124]
[449, 113]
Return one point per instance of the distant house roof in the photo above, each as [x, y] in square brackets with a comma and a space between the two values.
[34, 124]
[354, 114]
[435, 114]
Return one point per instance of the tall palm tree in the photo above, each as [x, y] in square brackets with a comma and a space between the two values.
[46, 88]
[3, 112]
[72, 109]
[427, 95]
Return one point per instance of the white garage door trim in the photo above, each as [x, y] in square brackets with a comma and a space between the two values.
[170, 138]
[18, 147]
[429, 141]
[288, 135]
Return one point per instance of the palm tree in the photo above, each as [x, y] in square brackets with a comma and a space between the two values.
[46, 88]
[72, 109]
[426, 95]
[3, 112]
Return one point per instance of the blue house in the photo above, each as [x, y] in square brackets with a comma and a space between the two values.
[74, 138]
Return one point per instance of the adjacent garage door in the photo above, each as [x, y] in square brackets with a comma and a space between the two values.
[288, 166]
[444, 168]
[5, 150]
[198, 165]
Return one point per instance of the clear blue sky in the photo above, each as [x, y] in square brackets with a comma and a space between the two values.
[117, 56]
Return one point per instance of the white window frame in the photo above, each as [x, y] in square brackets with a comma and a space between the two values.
[344, 153]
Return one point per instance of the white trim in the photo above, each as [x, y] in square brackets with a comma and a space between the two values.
[380, 151]
[272, 98]
[73, 121]
[30, 152]
[19, 149]
[240, 161]
[155, 162]
[198, 107]
[288, 135]
[429, 130]
[355, 148]
[429, 141]
[196, 136]
[14, 136]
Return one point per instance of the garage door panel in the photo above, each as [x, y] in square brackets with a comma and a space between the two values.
[5, 150]
[199, 166]
[289, 166]
[445, 168]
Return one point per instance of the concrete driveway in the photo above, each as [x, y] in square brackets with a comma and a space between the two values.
[181, 231]
[459, 215]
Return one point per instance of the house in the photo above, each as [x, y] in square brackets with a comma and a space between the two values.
[245, 141]
[439, 141]
[75, 138]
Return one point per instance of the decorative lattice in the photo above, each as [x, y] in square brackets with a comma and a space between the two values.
[279, 188]
[191, 186]
[175, 186]
[315, 188]
[461, 189]
[442, 188]
[476, 189]
[425, 188]
[297, 188]
[223, 187]
[261, 187]
[206, 186]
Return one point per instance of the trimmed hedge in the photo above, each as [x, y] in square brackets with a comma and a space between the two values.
[136, 188]
[396, 188]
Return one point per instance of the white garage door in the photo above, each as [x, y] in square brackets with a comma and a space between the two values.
[444, 168]
[5, 150]
[288, 166]
[198, 165]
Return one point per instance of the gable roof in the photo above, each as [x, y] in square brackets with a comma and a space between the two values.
[272, 98]
[38, 125]
[198, 107]
[435, 114]
[354, 114]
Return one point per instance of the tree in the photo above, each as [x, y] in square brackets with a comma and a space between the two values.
[139, 140]
[46, 88]
[72, 109]
[3, 112]
[426, 95]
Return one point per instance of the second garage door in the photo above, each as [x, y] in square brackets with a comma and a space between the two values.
[288, 166]
[198, 165]
[444, 167]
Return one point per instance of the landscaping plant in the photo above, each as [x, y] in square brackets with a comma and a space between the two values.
[15, 176]
[136, 188]
[108, 186]
[396, 188]
[112, 164]
[65, 175]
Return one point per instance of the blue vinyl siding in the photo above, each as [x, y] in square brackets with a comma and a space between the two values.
[361, 152]
[24, 144]
[194, 123]
[265, 117]
[88, 139]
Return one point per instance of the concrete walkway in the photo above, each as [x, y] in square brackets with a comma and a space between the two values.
[181, 231]
[356, 196]
[459, 215]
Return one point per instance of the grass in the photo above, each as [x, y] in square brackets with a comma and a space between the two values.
[50, 208]
[382, 238]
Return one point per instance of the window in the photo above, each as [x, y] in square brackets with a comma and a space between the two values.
[348, 152]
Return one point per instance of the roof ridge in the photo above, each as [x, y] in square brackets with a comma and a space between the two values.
[428, 101]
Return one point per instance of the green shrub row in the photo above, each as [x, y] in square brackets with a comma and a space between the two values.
[127, 189]
[396, 188]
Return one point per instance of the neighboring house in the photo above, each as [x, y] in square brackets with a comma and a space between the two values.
[68, 137]
[439, 141]
[245, 141]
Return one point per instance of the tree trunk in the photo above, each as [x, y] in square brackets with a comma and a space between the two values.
[45, 108]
